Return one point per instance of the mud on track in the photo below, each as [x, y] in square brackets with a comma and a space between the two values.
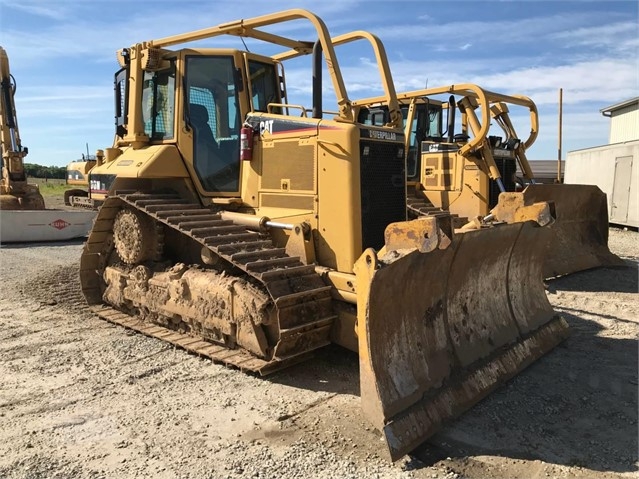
[83, 398]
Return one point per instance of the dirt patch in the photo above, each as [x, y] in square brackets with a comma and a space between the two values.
[84, 398]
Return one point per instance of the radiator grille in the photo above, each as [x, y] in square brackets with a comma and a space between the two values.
[383, 186]
[292, 161]
[507, 168]
[100, 183]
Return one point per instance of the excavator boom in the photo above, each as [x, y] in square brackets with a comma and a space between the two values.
[23, 216]
[15, 192]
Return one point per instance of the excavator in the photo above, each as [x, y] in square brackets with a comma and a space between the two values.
[254, 231]
[15, 192]
[472, 172]
[23, 216]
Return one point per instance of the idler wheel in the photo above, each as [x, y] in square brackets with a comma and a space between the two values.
[135, 237]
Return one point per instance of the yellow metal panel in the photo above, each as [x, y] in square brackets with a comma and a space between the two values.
[289, 161]
[280, 200]
[339, 235]
[455, 183]
[154, 161]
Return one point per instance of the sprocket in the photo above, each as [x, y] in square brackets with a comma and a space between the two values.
[136, 237]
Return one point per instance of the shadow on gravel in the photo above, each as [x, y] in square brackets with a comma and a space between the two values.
[332, 369]
[577, 406]
[622, 279]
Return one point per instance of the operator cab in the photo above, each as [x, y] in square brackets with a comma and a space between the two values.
[200, 99]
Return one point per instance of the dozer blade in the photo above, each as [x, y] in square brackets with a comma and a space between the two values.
[439, 330]
[579, 234]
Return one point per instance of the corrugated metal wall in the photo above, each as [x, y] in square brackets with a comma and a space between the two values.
[624, 124]
[545, 171]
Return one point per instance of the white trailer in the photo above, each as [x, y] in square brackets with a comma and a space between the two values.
[614, 169]
[21, 226]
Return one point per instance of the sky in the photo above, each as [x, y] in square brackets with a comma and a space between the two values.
[62, 55]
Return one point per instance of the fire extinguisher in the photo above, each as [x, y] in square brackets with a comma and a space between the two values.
[246, 142]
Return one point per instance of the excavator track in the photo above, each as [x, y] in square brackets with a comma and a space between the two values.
[301, 299]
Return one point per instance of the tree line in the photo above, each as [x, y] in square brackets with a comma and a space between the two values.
[39, 171]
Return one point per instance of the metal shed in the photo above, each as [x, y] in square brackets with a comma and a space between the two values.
[613, 167]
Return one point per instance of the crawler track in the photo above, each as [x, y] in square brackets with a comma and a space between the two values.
[301, 298]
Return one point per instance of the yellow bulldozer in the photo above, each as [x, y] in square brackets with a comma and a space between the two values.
[15, 192]
[472, 172]
[254, 231]
[78, 176]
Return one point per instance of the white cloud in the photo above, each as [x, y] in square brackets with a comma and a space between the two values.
[485, 31]
[582, 82]
[589, 81]
[620, 36]
[96, 39]
[64, 94]
[50, 10]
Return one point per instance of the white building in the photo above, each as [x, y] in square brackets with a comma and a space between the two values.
[613, 167]
[624, 121]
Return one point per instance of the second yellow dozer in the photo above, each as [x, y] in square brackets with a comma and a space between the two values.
[242, 229]
[78, 176]
[472, 172]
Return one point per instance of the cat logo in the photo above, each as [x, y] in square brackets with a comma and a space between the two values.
[266, 126]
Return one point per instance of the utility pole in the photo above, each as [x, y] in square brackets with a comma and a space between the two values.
[561, 92]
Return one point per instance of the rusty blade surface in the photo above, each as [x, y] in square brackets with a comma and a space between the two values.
[578, 238]
[438, 331]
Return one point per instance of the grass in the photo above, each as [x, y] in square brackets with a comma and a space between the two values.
[51, 186]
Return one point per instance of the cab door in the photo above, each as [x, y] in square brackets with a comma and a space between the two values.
[212, 85]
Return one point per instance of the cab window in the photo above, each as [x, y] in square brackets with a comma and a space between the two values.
[158, 103]
[264, 85]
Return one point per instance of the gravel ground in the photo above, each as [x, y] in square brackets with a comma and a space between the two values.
[83, 398]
